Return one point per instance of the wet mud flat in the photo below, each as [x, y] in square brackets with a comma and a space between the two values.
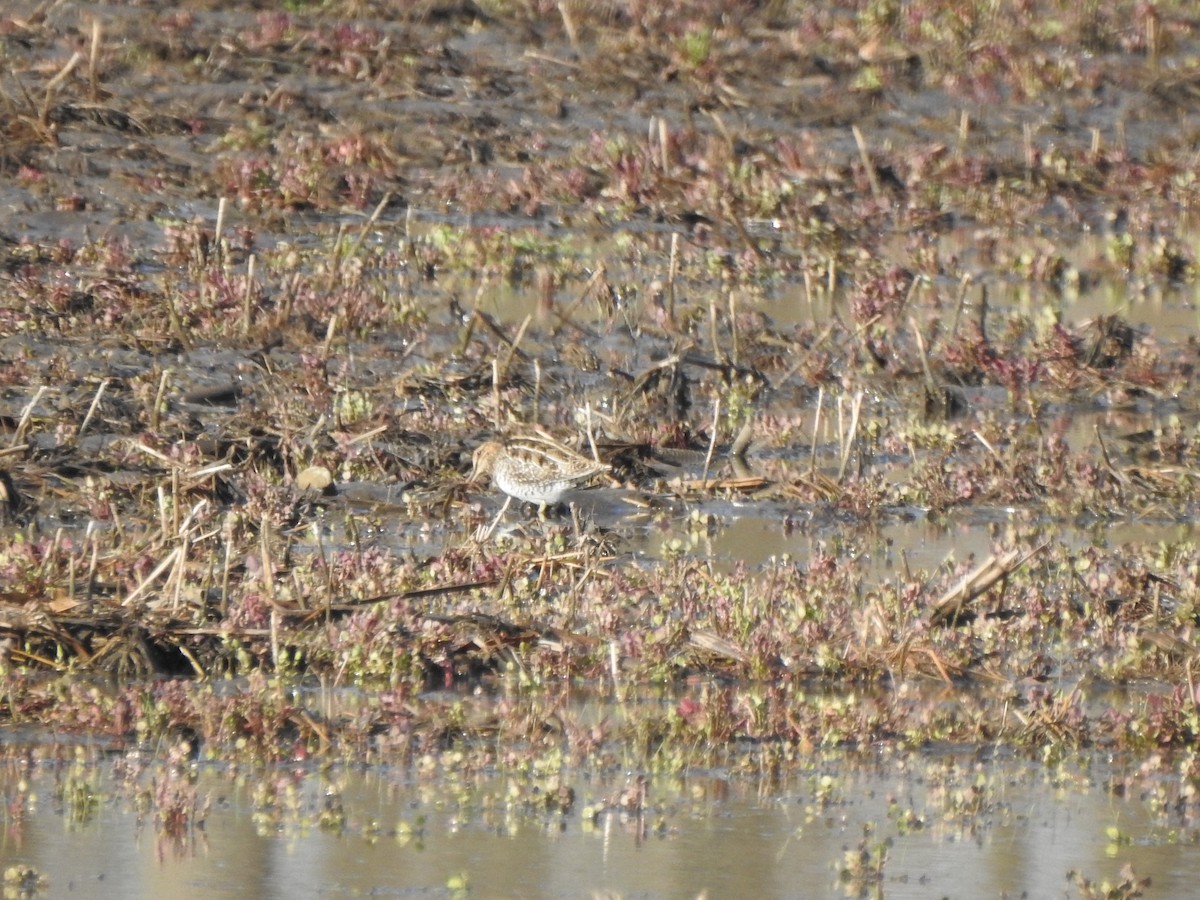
[866, 278]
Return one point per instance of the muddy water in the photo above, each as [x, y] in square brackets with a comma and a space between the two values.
[945, 826]
[957, 827]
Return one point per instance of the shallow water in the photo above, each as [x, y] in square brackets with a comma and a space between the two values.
[946, 826]
[965, 825]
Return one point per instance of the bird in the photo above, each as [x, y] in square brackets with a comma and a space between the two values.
[533, 468]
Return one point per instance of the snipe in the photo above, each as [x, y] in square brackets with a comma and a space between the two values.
[534, 468]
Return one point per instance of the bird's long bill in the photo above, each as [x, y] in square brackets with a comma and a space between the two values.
[482, 462]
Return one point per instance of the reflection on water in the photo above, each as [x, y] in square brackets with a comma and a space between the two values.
[921, 544]
[930, 825]
[900, 545]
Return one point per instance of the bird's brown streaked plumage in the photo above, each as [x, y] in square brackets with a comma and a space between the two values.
[533, 468]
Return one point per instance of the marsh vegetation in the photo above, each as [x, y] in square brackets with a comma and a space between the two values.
[867, 276]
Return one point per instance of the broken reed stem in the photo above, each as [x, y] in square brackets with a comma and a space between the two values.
[165, 563]
[325, 566]
[264, 549]
[227, 535]
[742, 442]
[913, 287]
[177, 573]
[740, 227]
[55, 549]
[482, 535]
[722, 128]
[996, 455]
[614, 668]
[118, 528]
[568, 20]
[712, 326]
[712, 441]
[564, 317]
[512, 347]
[162, 510]
[70, 576]
[94, 562]
[19, 436]
[978, 581]
[589, 430]
[287, 297]
[865, 155]
[175, 524]
[812, 456]
[156, 413]
[193, 662]
[336, 253]
[964, 285]
[218, 256]
[469, 328]
[92, 409]
[851, 434]
[733, 330]
[330, 333]
[52, 86]
[930, 384]
[672, 272]
[175, 302]
[371, 220]
[1152, 38]
[664, 146]
[248, 296]
[841, 431]
[93, 62]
